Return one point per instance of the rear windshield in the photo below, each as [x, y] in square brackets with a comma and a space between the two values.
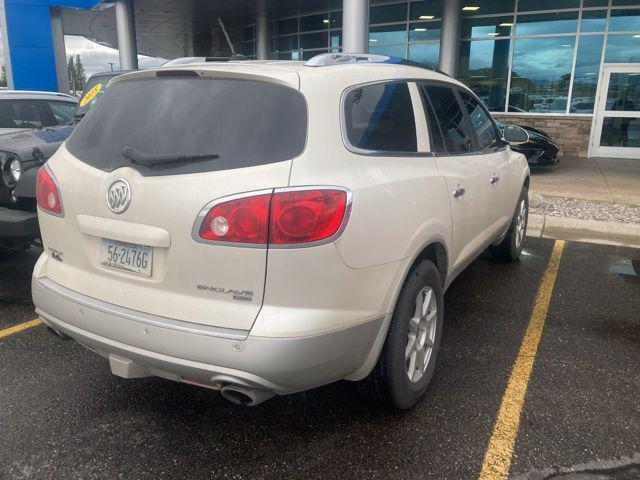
[176, 125]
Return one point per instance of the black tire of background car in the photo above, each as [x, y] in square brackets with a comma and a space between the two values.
[507, 250]
[389, 383]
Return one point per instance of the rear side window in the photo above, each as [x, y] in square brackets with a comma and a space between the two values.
[62, 111]
[380, 118]
[455, 130]
[480, 121]
[176, 125]
[23, 114]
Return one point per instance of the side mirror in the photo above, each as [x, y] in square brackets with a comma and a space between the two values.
[514, 135]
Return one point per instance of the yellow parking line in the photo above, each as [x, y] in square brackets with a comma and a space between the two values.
[497, 459]
[20, 327]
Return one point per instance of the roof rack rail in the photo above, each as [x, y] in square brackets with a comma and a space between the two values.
[329, 59]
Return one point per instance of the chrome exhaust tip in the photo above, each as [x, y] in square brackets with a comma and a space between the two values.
[248, 397]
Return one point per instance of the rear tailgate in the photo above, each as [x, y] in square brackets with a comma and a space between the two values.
[248, 129]
[202, 283]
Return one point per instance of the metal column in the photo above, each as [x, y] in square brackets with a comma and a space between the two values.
[450, 37]
[126, 30]
[355, 26]
[263, 40]
[59, 52]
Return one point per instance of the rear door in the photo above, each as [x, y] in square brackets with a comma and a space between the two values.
[465, 171]
[131, 195]
[500, 161]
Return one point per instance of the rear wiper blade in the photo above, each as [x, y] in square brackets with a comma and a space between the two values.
[151, 159]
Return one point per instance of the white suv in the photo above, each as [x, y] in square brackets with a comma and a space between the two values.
[268, 227]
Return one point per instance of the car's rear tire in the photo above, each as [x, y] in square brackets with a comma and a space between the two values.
[511, 246]
[412, 343]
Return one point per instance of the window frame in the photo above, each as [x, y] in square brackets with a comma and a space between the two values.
[456, 88]
[418, 108]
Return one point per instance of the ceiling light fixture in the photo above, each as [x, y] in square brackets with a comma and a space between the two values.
[470, 8]
[506, 25]
[420, 29]
[426, 17]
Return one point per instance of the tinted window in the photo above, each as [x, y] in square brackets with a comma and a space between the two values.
[480, 121]
[243, 123]
[380, 117]
[62, 111]
[435, 133]
[454, 126]
[23, 114]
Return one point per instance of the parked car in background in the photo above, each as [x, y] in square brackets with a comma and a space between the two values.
[213, 224]
[26, 110]
[540, 150]
[32, 127]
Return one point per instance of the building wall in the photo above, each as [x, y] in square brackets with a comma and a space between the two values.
[571, 132]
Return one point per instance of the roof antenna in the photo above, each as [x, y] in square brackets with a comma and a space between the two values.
[226, 35]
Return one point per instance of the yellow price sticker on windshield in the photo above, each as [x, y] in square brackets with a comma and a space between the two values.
[90, 94]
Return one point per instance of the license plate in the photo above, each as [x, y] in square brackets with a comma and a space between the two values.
[126, 256]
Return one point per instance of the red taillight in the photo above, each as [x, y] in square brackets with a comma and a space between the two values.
[241, 220]
[287, 217]
[47, 192]
[304, 216]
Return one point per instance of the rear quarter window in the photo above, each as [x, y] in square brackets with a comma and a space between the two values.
[380, 118]
[236, 123]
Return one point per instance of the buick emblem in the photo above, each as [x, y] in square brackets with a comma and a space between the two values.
[119, 196]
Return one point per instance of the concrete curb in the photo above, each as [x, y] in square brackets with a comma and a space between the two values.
[593, 231]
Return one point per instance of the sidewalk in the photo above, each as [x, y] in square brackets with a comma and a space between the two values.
[611, 180]
[587, 199]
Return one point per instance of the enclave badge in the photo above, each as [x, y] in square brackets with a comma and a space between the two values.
[119, 196]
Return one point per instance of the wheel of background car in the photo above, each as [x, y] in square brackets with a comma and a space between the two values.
[511, 246]
[408, 358]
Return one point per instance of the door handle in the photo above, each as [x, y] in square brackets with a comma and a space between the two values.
[458, 192]
[494, 179]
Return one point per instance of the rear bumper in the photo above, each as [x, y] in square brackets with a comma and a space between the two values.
[139, 345]
[18, 224]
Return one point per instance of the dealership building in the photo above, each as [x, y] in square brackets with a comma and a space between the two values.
[570, 67]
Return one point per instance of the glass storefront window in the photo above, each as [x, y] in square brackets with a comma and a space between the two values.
[623, 94]
[248, 33]
[486, 7]
[314, 22]
[335, 19]
[396, 12]
[620, 132]
[622, 49]
[585, 77]
[530, 5]
[593, 21]
[485, 27]
[388, 34]
[595, 3]
[289, 25]
[424, 31]
[484, 67]
[624, 20]
[425, 52]
[286, 43]
[541, 73]
[624, 3]
[336, 38]
[314, 40]
[545, 23]
[391, 50]
[425, 10]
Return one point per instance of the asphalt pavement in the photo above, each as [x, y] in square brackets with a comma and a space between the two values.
[63, 415]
